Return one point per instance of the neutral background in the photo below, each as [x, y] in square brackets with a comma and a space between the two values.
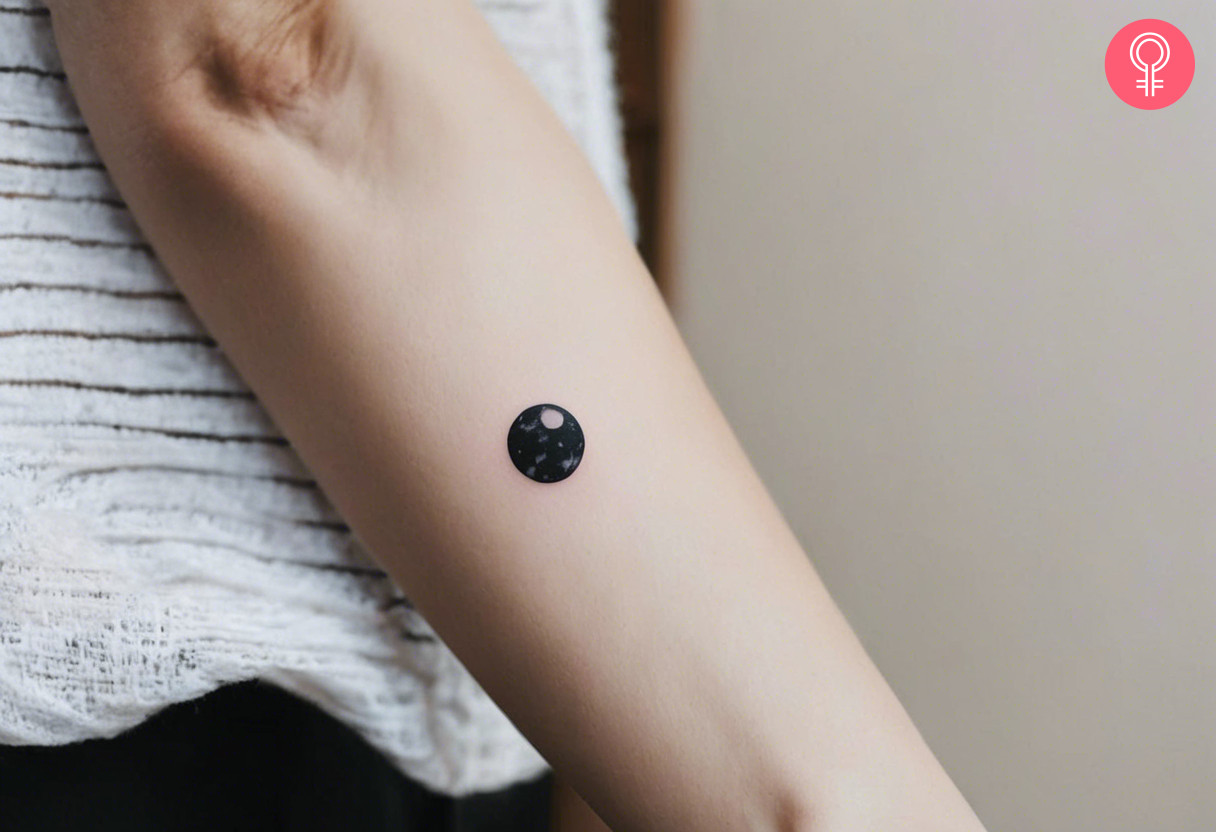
[959, 302]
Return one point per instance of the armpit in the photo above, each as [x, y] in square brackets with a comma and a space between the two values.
[277, 58]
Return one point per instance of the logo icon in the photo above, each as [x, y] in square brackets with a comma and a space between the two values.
[1151, 83]
[1149, 64]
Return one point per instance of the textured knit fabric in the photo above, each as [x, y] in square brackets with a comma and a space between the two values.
[158, 536]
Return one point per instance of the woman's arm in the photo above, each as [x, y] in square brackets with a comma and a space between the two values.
[400, 248]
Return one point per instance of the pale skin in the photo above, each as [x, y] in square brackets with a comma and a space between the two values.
[399, 247]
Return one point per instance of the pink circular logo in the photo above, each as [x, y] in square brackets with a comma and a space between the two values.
[1150, 64]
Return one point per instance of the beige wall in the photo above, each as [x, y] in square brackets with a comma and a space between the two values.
[959, 302]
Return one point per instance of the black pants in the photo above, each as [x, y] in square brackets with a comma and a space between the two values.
[246, 758]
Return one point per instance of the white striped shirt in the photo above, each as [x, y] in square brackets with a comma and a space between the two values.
[158, 536]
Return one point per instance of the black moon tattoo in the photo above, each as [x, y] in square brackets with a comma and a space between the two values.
[546, 443]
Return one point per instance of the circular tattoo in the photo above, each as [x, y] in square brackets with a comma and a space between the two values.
[545, 443]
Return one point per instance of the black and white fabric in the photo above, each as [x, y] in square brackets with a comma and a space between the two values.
[158, 536]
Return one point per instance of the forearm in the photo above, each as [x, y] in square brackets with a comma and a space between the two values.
[399, 263]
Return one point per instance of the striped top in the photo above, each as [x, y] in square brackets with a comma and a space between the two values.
[158, 535]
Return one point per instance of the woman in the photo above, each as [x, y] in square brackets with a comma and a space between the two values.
[414, 268]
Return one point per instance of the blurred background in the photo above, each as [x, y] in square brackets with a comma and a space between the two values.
[958, 301]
